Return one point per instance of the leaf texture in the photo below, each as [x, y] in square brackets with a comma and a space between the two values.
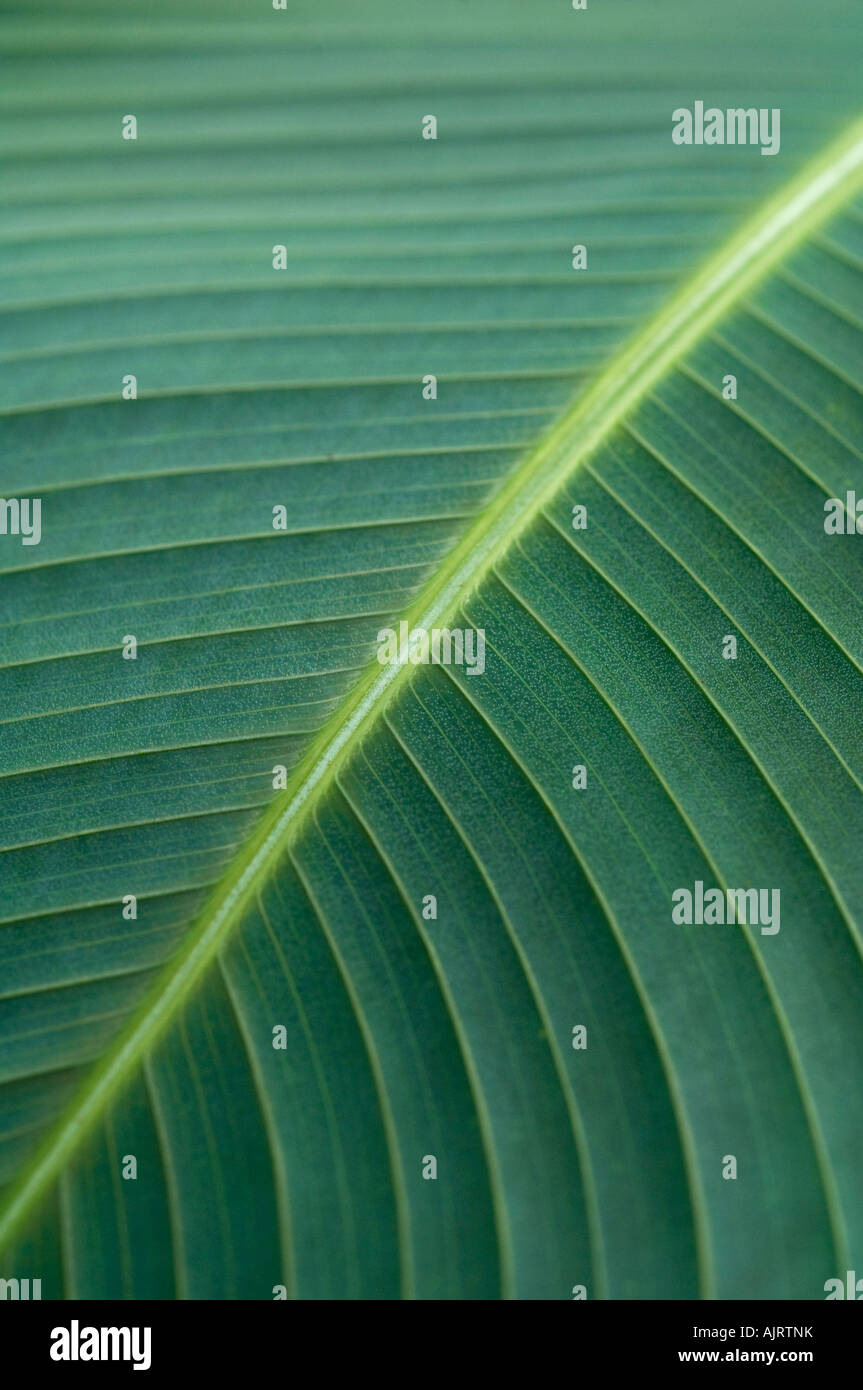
[410, 1037]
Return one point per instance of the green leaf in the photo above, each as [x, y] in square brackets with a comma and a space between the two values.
[410, 1036]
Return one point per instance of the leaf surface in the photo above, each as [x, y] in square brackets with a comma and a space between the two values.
[410, 1037]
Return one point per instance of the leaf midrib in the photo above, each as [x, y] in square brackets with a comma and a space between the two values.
[784, 222]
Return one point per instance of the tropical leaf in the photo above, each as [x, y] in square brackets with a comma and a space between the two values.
[432, 908]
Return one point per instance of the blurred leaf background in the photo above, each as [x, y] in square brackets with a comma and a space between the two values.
[408, 1037]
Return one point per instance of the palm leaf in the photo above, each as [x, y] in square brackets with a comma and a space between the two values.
[410, 1036]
